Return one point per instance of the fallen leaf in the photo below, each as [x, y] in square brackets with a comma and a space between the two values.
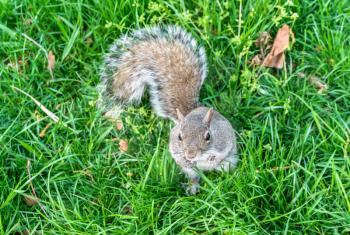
[275, 58]
[43, 132]
[31, 200]
[274, 61]
[30, 178]
[281, 41]
[113, 117]
[263, 42]
[263, 39]
[123, 145]
[256, 60]
[51, 61]
[119, 124]
[316, 82]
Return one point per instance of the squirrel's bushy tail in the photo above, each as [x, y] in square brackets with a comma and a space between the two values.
[115, 92]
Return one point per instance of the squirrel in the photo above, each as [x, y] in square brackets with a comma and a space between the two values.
[169, 63]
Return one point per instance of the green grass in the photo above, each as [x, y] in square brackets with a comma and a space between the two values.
[87, 186]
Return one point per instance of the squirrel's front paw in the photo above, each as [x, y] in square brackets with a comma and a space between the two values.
[192, 189]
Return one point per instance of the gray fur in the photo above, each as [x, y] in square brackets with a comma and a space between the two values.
[143, 77]
[169, 62]
[220, 153]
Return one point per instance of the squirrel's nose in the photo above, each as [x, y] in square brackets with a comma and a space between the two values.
[190, 154]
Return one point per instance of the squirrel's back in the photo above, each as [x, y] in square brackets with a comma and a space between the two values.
[166, 60]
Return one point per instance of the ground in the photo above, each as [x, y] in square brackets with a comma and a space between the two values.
[294, 171]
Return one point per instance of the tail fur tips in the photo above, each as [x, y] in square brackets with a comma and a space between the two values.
[125, 74]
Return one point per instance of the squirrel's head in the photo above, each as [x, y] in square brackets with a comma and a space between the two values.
[193, 135]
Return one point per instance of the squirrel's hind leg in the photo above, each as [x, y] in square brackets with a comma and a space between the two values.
[124, 89]
[128, 87]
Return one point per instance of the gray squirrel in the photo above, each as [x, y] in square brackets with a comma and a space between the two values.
[172, 66]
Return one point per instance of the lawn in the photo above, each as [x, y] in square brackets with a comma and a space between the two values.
[294, 171]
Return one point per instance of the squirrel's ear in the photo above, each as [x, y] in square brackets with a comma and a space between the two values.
[180, 117]
[208, 116]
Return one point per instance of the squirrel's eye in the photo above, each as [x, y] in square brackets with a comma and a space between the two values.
[180, 137]
[207, 136]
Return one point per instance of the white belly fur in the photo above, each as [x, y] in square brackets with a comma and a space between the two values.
[217, 164]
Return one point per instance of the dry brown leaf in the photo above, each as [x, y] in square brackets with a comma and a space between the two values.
[274, 61]
[316, 82]
[263, 42]
[256, 60]
[281, 41]
[30, 178]
[51, 61]
[123, 145]
[31, 200]
[263, 39]
[119, 124]
[113, 117]
[43, 132]
[275, 58]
